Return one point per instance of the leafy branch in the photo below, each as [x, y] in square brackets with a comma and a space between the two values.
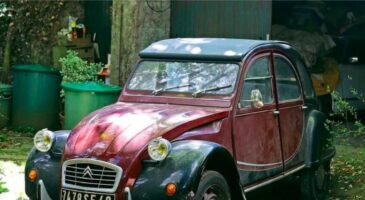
[75, 69]
[341, 128]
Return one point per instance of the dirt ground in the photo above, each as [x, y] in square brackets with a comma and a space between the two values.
[347, 172]
[13, 176]
[14, 148]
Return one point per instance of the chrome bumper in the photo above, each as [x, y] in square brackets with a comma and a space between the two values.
[42, 193]
[127, 194]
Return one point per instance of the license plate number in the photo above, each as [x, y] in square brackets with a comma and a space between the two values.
[67, 194]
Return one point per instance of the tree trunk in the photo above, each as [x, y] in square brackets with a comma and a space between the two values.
[135, 25]
[7, 56]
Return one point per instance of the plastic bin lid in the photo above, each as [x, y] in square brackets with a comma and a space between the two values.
[5, 88]
[90, 87]
[36, 68]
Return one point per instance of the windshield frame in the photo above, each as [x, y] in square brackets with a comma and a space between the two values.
[220, 100]
[162, 92]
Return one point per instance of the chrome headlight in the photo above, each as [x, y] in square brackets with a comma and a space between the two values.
[43, 140]
[159, 148]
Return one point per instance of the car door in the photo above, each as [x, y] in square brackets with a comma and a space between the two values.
[290, 109]
[256, 129]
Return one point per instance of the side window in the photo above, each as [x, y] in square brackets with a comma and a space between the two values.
[306, 81]
[286, 81]
[257, 81]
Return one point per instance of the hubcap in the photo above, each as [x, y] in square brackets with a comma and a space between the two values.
[213, 193]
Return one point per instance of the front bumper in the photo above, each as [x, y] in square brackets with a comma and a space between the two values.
[127, 194]
[42, 193]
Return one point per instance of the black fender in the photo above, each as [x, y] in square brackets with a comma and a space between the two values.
[48, 167]
[184, 166]
[319, 148]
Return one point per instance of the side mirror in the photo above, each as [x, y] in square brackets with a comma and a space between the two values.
[256, 99]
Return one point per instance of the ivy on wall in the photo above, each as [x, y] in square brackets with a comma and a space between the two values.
[31, 30]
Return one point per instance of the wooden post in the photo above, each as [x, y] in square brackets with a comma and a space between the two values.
[116, 51]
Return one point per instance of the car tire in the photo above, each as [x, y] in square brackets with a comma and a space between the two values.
[315, 182]
[212, 186]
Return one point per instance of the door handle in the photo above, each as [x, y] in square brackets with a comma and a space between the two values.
[304, 107]
[276, 112]
[353, 60]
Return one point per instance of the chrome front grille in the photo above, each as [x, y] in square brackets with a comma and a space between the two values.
[88, 174]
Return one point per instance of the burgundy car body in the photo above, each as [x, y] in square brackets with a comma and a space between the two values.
[265, 143]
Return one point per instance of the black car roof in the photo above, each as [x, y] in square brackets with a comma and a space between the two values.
[224, 49]
[202, 48]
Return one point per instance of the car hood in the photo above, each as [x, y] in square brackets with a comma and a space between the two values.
[120, 132]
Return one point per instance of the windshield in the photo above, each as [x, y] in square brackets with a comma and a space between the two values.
[197, 78]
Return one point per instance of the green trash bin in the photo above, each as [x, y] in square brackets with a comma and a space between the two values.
[36, 96]
[84, 98]
[5, 104]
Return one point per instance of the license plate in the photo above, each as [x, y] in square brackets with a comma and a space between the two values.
[67, 194]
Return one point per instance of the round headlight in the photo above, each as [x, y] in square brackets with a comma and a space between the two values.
[43, 140]
[159, 148]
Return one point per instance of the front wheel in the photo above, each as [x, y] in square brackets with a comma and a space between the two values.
[315, 182]
[213, 186]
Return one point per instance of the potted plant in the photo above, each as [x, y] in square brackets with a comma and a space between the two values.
[82, 93]
[75, 69]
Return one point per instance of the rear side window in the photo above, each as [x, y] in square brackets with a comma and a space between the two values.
[306, 81]
[287, 84]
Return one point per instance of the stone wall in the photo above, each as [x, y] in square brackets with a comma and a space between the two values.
[136, 24]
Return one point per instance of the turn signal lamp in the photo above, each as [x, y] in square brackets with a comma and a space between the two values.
[32, 175]
[171, 189]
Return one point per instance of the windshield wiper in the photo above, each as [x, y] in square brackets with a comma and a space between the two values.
[157, 91]
[203, 91]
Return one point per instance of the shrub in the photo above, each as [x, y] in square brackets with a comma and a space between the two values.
[339, 123]
[74, 69]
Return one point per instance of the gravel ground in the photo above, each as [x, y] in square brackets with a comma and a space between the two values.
[13, 176]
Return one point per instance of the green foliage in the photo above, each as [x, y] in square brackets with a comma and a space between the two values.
[349, 125]
[2, 184]
[347, 174]
[25, 130]
[3, 188]
[31, 21]
[15, 145]
[28, 30]
[3, 137]
[4, 19]
[74, 69]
